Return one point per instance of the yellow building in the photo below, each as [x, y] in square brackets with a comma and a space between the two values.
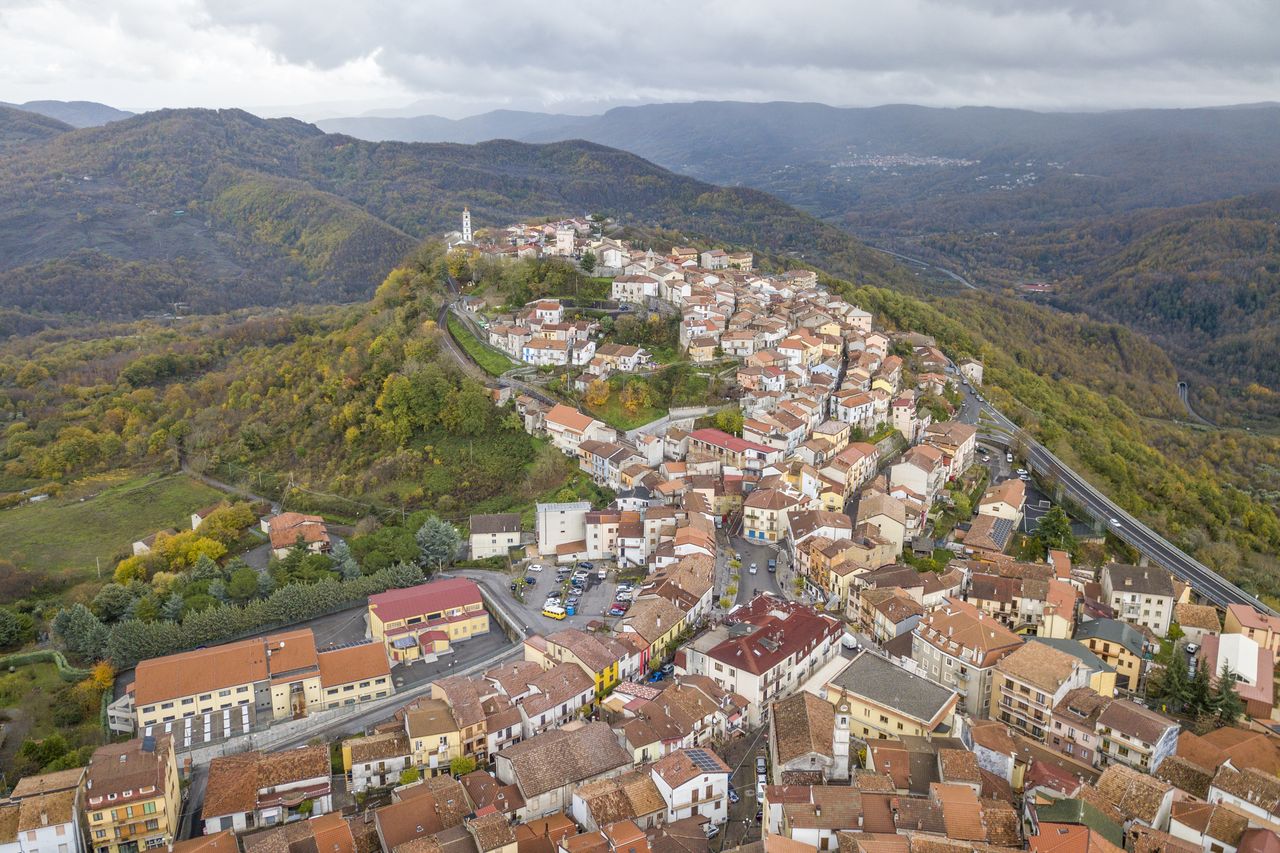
[423, 621]
[601, 657]
[1117, 644]
[657, 622]
[883, 700]
[277, 677]
[131, 796]
[434, 736]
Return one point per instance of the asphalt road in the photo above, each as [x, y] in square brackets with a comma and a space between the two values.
[763, 580]
[1098, 506]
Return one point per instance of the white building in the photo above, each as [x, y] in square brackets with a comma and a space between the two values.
[561, 524]
[693, 783]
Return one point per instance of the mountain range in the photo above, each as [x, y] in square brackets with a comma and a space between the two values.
[73, 113]
[221, 209]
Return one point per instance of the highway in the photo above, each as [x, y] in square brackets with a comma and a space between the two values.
[995, 427]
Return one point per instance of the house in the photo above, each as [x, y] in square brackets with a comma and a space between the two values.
[422, 622]
[290, 529]
[654, 623]
[1139, 798]
[1119, 645]
[131, 795]
[230, 689]
[494, 535]
[732, 451]
[144, 546]
[1197, 621]
[971, 370]
[1252, 666]
[328, 832]
[922, 469]
[693, 783]
[44, 812]
[633, 796]
[1005, 500]
[434, 735]
[957, 441]
[987, 536]
[887, 515]
[764, 514]
[603, 658]
[548, 767]
[252, 789]
[567, 428]
[376, 760]
[1075, 724]
[198, 517]
[883, 700]
[1255, 793]
[418, 812]
[1262, 628]
[1142, 595]
[804, 741]
[958, 646]
[1028, 684]
[1135, 736]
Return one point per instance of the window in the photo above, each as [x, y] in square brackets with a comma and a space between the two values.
[188, 701]
[224, 692]
[149, 808]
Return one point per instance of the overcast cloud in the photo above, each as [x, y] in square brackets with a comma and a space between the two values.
[451, 57]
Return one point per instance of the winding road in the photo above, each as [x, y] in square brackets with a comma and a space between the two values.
[995, 428]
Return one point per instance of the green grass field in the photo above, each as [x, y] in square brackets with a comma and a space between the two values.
[494, 363]
[100, 518]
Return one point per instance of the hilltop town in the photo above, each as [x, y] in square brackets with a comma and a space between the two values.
[826, 610]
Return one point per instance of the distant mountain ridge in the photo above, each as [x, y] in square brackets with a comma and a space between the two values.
[74, 113]
[221, 209]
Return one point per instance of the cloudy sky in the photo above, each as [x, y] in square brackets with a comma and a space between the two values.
[322, 58]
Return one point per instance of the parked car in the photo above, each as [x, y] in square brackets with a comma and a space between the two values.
[753, 569]
[733, 795]
[655, 677]
[602, 574]
[762, 765]
[624, 606]
[850, 642]
[616, 611]
[711, 830]
[531, 580]
[535, 567]
[587, 566]
[668, 668]
[773, 565]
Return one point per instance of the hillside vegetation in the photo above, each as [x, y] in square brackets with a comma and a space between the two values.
[220, 210]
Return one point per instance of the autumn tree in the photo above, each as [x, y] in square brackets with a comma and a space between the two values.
[636, 396]
[598, 392]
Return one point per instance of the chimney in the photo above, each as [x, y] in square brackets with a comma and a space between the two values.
[44, 817]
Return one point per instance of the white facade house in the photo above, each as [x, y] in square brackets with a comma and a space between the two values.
[561, 524]
[693, 783]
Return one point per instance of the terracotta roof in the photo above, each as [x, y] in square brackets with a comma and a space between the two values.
[46, 810]
[378, 747]
[233, 787]
[288, 527]
[1012, 491]
[128, 766]
[1038, 664]
[220, 842]
[626, 797]
[491, 831]
[683, 765]
[1251, 786]
[1134, 794]
[1246, 748]
[564, 756]
[961, 630]
[802, 724]
[1136, 721]
[47, 783]
[1069, 838]
[353, 663]
[1202, 616]
[1185, 775]
[484, 790]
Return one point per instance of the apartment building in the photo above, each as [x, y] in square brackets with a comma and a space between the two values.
[494, 535]
[131, 795]
[1135, 736]
[1142, 595]
[876, 698]
[958, 646]
[230, 689]
[1028, 684]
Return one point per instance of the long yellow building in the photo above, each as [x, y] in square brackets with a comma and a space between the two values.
[423, 621]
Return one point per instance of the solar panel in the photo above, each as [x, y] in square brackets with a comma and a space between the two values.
[703, 761]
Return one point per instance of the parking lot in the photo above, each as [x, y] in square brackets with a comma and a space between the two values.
[594, 603]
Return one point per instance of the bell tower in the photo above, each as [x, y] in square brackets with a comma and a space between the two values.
[466, 225]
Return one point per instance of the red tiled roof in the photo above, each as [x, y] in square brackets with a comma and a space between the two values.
[425, 598]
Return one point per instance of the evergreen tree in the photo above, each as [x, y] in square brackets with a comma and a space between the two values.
[1226, 701]
[82, 633]
[266, 584]
[113, 602]
[1054, 531]
[172, 608]
[344, 562]
[205, 569]
[438, 541]
[1176, 684]
[1200, 695]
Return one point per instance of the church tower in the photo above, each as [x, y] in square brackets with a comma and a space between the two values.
[466, 225]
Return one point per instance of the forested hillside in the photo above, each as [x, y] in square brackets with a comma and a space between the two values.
[221, 210]
[1203, 281]
[18, 128]
[74, 113]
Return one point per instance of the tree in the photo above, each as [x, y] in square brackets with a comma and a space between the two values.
[1200, 698]
[1054, 531]
[438, 543]
[15, 628]
[172, 608]
[346, 564]
[112, 603]
[462, 765]
[409, 775]
[1174, 686]
[729, 420]
[205, 569]
[1226, 701]
[588, 262]
[636, 396]
[598, 392]
[82, 633]
[243, 585]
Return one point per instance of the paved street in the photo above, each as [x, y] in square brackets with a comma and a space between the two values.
[740, 754]
[763, 581]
